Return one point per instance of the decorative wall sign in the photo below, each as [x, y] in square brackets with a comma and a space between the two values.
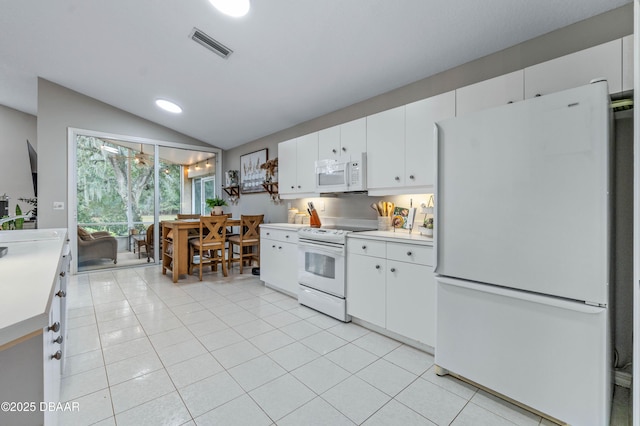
[251, 175]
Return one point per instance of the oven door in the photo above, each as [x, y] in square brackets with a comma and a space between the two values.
[322, 266]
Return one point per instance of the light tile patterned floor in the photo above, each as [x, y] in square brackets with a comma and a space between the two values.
[229, 351]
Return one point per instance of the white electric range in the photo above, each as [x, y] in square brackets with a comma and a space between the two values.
[322, 268]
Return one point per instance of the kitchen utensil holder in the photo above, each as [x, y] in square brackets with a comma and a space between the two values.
[384, 223]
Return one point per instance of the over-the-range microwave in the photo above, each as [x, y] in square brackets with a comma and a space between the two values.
[347, 174]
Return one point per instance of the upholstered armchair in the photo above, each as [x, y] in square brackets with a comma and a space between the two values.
[96, 245]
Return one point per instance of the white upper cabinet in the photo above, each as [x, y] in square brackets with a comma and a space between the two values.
[385, 149]
[576, 69]
[287, 166]
[353, 138]
[420, 119]
[348, 139]
[329, 143]
[296, 166]
[627, 63]
[501, 90]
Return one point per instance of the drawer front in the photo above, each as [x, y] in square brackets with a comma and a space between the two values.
[279, 235]
[366, 247]
[421, 255]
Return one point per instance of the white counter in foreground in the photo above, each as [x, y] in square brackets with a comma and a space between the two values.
[28, 274]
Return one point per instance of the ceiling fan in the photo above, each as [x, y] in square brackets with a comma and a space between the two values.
[142, 159]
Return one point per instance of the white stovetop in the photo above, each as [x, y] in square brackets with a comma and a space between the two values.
[27, 276]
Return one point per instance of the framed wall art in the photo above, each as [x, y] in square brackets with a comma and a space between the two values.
[251, 175]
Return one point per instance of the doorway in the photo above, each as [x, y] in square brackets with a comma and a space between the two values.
[120, 190]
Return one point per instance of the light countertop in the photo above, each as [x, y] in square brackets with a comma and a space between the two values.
[28, 276]
[399, 235]
[285, 226]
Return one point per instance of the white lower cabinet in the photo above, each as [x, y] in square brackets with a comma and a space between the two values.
[278, 259]
[411, 304]
[366, 288]
[391, 285]
[31, 366]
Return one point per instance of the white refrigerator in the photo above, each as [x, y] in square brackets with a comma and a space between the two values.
[522, 245]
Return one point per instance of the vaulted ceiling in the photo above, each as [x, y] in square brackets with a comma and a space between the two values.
[292, 60]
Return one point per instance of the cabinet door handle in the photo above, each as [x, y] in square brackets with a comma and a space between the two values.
[57, 355]
[268, 233]
[279, 247]
[61, 293]
[291, 186]
[377, 266]
[393, 269]
[344, 149]
[273, 246]
[334, 150]
[62, 274]
[286, 236]
[55, 327]
[537, 95]
[364, 247]
[397, 178]
[510, 102]
[58, 340]
[411, 177]
[409, 253]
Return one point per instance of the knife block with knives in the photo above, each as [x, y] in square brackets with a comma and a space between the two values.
[314, 220]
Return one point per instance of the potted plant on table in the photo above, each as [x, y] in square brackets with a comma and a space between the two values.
[215, 204]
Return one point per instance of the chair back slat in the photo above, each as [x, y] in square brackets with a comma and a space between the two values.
[250, 226]
[213, 230]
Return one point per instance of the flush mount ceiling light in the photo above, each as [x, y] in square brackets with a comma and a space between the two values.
[235, 8]
[168, 106]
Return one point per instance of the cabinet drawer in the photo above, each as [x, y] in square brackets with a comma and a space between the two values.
[421, 255]
[279, 235]
[366, 247]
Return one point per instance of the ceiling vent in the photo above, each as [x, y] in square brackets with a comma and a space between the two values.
[215, 46]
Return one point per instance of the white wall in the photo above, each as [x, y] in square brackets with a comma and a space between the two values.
[60, 108]
[15, 170]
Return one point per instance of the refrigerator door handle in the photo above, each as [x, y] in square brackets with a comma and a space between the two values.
[435, 198]
[572, 305]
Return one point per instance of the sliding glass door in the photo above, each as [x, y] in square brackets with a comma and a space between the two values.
[115, 203]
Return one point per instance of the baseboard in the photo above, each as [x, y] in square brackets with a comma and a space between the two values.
[622, 378]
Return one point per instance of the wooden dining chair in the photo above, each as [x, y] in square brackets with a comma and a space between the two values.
[249, 237]
[147, 243]
[210, 245]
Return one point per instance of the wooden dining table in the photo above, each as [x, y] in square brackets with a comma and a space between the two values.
[175, 244]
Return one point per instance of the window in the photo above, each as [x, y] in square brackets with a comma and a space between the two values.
[203, 188]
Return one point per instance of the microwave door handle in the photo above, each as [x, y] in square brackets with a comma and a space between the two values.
[323, 247]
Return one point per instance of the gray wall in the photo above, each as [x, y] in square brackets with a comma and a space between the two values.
[15, 170]
[60, 108]
[588, 33]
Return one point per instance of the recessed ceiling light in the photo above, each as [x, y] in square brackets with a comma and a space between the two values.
[168, 106]
[235, 8]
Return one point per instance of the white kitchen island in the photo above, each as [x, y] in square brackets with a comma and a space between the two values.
[32, 324]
